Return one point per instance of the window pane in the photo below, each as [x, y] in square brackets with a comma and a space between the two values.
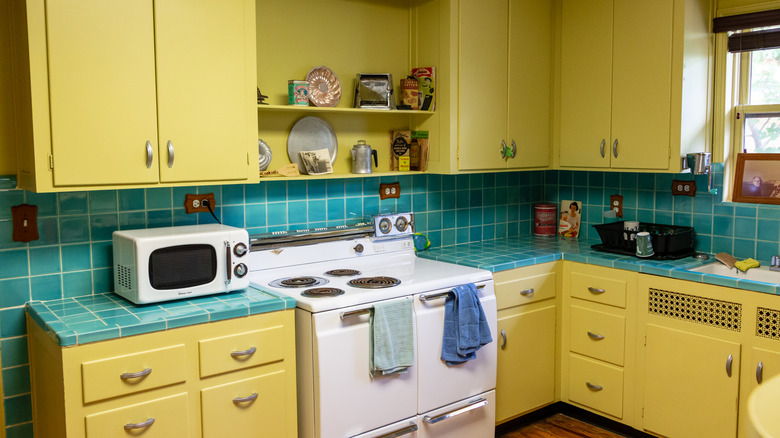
[762, 133]
[765, 77]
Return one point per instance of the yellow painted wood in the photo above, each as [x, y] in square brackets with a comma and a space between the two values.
[264, 416]
[101, 378]
[101, 69]
[586, 329]
[215, 353]
[605, 394]
[169, 414]
[482, 87]
[513, 289]
[770, 365]
[687, 392]
[600, 285]
[526, 365]
[586, 83]
[7, 127]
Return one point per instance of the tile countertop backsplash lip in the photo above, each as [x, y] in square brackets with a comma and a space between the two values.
[91, 318]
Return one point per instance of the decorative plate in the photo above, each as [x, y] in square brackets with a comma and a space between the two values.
[310, 134]
[324, 87]
[265, 154]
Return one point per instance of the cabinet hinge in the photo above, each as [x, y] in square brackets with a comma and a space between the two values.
[247, 158]
[51, 161]
[645, 340]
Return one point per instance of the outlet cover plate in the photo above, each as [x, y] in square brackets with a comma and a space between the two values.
[687, 188]
[189, 200]
[389, 190]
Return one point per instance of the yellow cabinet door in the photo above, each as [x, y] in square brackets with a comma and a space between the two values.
[596, 384]
[202, 89]
[482, 84]
[528, 110]
[101, 71]
[641, 83]
[526, 361]
[764, 364]
[688, 390]
[161, 418]
[586, 83]
[250, 407]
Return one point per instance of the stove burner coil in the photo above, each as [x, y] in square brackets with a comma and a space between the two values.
[374, 282]
[322, 292]
[342, 272]
[298, 282]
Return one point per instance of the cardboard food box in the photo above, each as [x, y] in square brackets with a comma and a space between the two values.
[426, 82]
[400, 149]
[418, 151]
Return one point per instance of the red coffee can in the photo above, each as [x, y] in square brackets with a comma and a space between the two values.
[545, 219]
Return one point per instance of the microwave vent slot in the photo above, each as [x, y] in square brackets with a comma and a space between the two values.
[124, 276]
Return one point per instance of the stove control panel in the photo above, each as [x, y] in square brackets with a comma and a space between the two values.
[394, 225]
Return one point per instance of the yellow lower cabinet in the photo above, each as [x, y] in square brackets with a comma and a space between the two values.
[162, 418]
[239, 351]
[596, 385]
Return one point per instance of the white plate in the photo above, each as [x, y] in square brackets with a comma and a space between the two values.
[310, 134]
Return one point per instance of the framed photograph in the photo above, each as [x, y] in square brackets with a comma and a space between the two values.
[569, 223]
[757, 179]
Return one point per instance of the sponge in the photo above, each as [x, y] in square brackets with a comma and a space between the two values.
[746, 264]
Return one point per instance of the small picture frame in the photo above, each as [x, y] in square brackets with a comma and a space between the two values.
[757, 179]
[570, 219]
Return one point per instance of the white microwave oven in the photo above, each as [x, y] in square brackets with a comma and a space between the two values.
[163, 264]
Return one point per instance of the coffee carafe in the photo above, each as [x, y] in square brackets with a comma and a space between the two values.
[361, 157]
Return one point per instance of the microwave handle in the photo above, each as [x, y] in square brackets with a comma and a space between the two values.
[228, 262]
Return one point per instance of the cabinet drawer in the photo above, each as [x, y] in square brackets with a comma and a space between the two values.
[525, 290]
[138, 371]
[611, 291]
[596, 384]
[167, 417]
[261, 412]
[597, 334]
[242, 350]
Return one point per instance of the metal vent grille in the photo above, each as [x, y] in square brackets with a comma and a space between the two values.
[706, 311]
[124, 277]
[768, 323]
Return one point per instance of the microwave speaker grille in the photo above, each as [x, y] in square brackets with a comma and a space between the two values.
[124, 277]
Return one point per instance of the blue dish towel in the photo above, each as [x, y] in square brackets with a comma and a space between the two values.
[466, 329]
[391, 342]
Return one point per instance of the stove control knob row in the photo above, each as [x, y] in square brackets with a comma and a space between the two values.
[240, 270]
[240, 249]
[359, 248]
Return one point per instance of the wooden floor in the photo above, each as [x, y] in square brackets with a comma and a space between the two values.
[559, 425]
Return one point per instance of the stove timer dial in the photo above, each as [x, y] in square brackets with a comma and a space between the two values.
[401, 223]
[385, 226]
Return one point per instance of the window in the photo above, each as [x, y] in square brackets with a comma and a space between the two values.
[758, 101]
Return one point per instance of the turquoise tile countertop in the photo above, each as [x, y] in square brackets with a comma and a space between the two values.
[91, 318]
[516, 252]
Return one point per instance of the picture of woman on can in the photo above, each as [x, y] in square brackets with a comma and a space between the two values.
[571, 212]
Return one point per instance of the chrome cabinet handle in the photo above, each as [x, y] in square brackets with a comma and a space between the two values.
[170, 153]
[503, 339]
[474, 405]
[760, 372]
[133, 426]
[728, 365]
[514, 150]
[249, 398]
[400, 432]
[504, 149]
[595, 336]
[614, 148]
[601, 148]
[596, 291]
[249, 352]
[145, 372]
[149, 154]
[228, 263]
[439, 295]
[527, 292]
[593, 387]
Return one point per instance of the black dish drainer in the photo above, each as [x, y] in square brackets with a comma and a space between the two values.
[669, 242]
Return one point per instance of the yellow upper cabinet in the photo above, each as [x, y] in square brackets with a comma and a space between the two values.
[116, 93]
[504, 84]
[625, 100]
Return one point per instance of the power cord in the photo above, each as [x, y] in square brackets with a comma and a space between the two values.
[207, 204]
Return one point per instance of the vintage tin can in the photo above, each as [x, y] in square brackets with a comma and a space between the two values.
[298, 93]
[545, 219]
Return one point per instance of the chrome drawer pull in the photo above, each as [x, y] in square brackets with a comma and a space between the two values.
[133, 426]
[170, 153]
[400, 432]
[614, 148]
[474, 405]
[593, 290]
[595, 336]
[243, 353]
[593, 387]
[143, 373]
[149, 154]
[249, 398]
[503, 339]
[601, 149]
[728, 364]
[760, 372]
[527, 292]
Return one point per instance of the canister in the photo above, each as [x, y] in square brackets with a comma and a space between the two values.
[298, 92]
[545, 219]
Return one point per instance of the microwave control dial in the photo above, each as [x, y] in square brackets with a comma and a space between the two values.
[240, 270]
[240, 249]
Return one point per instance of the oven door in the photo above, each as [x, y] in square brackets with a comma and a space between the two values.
[473, 417]
[347, 400]
[441, 384]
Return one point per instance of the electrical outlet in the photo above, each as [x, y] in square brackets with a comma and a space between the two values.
[687, 188]
[616, 204]
[195, 204]
[389, 190]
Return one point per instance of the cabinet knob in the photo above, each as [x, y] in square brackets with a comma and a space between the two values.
[149, 154]
[170, 153]
[760, 372]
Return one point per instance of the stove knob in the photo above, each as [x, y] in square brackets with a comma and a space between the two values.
[240, 270]
[240, 250]
[359, 248]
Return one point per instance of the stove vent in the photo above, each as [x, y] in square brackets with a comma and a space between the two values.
[699, 310]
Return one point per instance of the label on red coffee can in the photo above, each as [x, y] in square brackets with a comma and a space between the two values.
[545, 219]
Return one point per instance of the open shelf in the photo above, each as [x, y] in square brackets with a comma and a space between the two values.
[318, 109]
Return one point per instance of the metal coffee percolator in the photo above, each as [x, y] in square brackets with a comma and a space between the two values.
[361, 157]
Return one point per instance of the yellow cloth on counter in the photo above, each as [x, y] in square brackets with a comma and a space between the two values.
[746, 264]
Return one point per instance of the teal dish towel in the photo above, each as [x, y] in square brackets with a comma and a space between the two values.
[466, 328]
[391, 342]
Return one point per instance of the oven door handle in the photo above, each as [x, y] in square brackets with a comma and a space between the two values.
[440, 295]
[347, 314]
[476, 404]
[400, 432]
